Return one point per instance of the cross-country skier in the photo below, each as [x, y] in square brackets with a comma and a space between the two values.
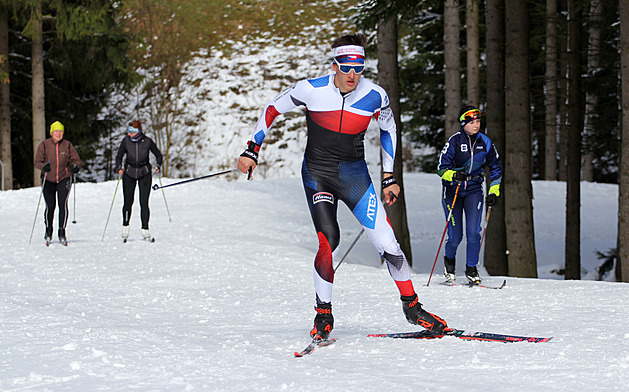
[58, 159]
[136, 170]
[461, 166]
[339, 107]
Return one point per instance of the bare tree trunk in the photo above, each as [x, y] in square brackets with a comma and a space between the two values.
[622, 270]
[453, 73]
[591, 100]
[573, 169]
[37, 70]
[388, 79]
[517, 181]
[473, 53]
[496, 244]
[563, 87]
[5, 103]
[550, 152]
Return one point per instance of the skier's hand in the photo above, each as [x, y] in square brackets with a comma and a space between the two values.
[246, 165]
[460, 176]
[390, 188]
[157, 168]
[75, 169]
[248, 160]
[492, 199]
[120, 172]
[390, 198]
[454, 175]
[46, 167]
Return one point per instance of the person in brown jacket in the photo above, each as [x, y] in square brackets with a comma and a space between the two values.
[58, 160]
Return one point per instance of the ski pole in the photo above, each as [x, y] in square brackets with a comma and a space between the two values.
[362, 230]
[163, 194]
[156, 187]
[74, 185]
[444, 232]
[37, 211]
[484, 230]
[112, 205]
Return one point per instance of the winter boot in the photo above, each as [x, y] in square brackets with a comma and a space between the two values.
[125, 232]
[62, 236]
[48, 235]
[323, 322]
[416, 315]
[471, 273]
[146, 234]
[450, 267]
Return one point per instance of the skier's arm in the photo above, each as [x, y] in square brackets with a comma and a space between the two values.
[388, 142]
[121, 151]
[283, 103]
[40, 156]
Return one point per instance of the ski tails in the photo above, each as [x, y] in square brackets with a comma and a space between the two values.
[450, 283]
[480, 336]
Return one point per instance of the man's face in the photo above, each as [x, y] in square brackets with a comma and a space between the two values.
[346, 82]
[57, 135]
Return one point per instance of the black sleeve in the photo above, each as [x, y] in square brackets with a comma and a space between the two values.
[157, 153]
[121, 151]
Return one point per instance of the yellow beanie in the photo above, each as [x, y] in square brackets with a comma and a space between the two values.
[56, 126]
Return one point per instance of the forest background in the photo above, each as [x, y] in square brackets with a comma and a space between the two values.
[548, 76]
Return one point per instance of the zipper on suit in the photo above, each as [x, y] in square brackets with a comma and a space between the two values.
[341, 118]
[57, 157]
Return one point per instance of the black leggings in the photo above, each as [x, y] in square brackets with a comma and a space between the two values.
[128, 189]
[60, 191]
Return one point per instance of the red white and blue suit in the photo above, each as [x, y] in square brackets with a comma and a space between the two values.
[334, 168]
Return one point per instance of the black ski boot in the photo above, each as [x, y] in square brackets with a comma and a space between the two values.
[418, 316]
[471, 273]
[62, 236]
[48, 235]
[449, 268]
[323, 322]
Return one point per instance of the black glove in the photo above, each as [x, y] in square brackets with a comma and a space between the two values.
[158, 168]
[491, 199]
[251, 151]
[459, 176]
[75, 169]
[46, 167]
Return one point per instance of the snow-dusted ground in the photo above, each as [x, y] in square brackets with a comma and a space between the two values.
[224, 297]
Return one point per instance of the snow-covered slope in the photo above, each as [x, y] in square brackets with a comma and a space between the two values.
[224, 297]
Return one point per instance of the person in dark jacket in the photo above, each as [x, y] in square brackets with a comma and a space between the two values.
[58, 160]
[461, 167]
[136, 170]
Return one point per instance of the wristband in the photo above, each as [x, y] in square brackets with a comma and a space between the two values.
[387, 182]
[252, 151]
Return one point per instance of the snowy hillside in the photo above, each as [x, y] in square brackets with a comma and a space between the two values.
[225, 295]
[218, 102]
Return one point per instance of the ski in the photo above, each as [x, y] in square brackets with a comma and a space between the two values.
[457, 333]
[313, 345]
[64, 243]
[152, 239]
[449, 283]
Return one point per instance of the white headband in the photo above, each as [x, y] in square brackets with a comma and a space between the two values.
[352, 50]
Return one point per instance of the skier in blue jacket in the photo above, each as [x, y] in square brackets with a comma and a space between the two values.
[461, 168]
